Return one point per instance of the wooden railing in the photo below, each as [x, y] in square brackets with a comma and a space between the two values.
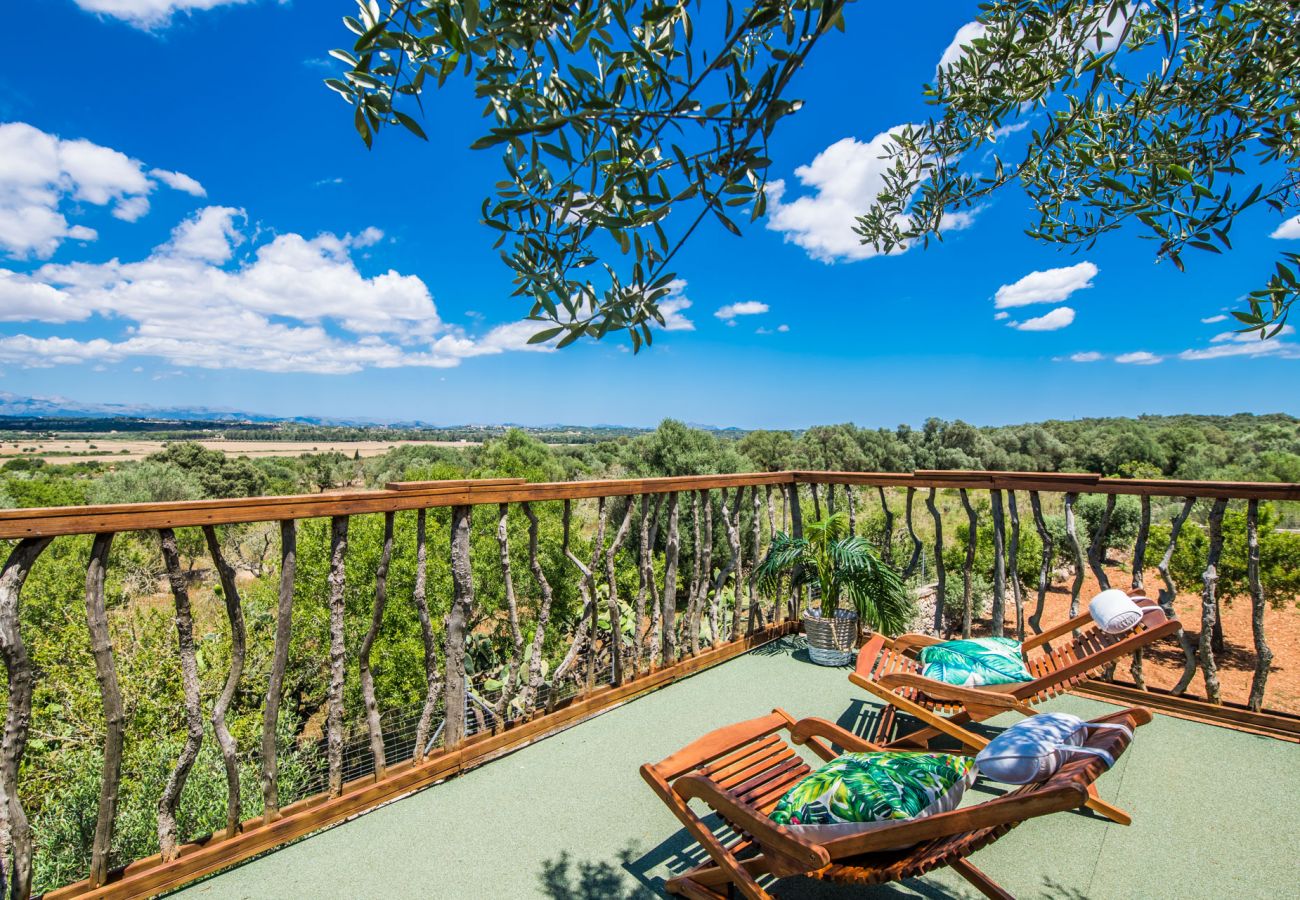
[703, 608]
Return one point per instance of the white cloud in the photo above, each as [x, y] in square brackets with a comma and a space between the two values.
[368, 237]
[1247, 343]
[744, 308]
[1047, 286]
[1288, 230]
[179, 181]
[293, 304]
[1139, 358]
[149, 14]
[965, 35]
[1210, 320]
[1086, 356]
[999, 316]
[845, 179]
[673, 307]
[1053, 321]
[41, 174]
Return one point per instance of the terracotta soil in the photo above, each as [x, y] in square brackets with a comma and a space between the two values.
[1163, 663]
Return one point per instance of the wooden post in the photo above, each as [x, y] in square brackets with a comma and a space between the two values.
[101, 645]
[338, 659]
[374, 727]
[1209, 601]
[1263, 655]
[457, 625]
[18, 713]
[1045, 565]
[972, 532]
[279, 661]
[941, 576]
[755, 608]
[999, 611]
[1170, 591]
[432, 679]
[168, 845]
[238, 649]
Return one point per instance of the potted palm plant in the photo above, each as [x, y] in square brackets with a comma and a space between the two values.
[837, 566]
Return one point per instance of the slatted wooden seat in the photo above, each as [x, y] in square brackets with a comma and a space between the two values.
[741, 771]
[890, 670]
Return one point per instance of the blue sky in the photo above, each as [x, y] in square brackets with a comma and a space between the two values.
[187, 218]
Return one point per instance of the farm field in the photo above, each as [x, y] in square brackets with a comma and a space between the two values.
[114, 450]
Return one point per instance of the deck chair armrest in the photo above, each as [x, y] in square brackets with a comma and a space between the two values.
[814, 727]
[1052, 634]
[989, 814]
[771, 836]
[939, 690]
[906, 643]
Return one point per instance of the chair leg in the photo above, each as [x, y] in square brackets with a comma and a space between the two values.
[982, 883]
[687, 887]
[1101, 807]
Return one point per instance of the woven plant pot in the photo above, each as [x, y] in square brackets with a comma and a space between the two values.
[831, 641]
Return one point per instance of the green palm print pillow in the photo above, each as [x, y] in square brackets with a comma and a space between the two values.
[876, 787]
[975, 662]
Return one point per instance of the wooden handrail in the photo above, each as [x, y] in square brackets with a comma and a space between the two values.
[63, 520]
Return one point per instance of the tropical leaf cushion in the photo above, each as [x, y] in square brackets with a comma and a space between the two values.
[975, 662]
[860, 791]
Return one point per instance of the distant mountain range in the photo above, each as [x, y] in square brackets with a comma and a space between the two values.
[19, 407]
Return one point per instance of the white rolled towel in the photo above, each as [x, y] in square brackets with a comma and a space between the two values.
[1114, 611]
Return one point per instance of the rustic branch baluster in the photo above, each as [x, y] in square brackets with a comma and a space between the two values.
[1017, 589]
[1137, 583]
[732, 565]
[690, 631]
[1045, 565]
[15, 832]
[755, 607]
[999, 611]
[511, 688]
[238, 649]
[534, 684]
[817, 503]
[1170, 591]
[853, 519]
[338, 657]
[374, 726]
[1072, 535]
[911, 531]
[645, 575]
[654, 630]
[456, 623]
[1097, 549]
[1209, 601]
[796, 531]
[101, 646]
[672, 547]
[171, 794]
[972, 531]
[432, 679]
[887, 551]
[940, 574]
[279, 661]
[1263, 655]
[615, 617]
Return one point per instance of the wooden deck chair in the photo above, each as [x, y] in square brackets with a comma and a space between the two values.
[891, 671]
[742, 771]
